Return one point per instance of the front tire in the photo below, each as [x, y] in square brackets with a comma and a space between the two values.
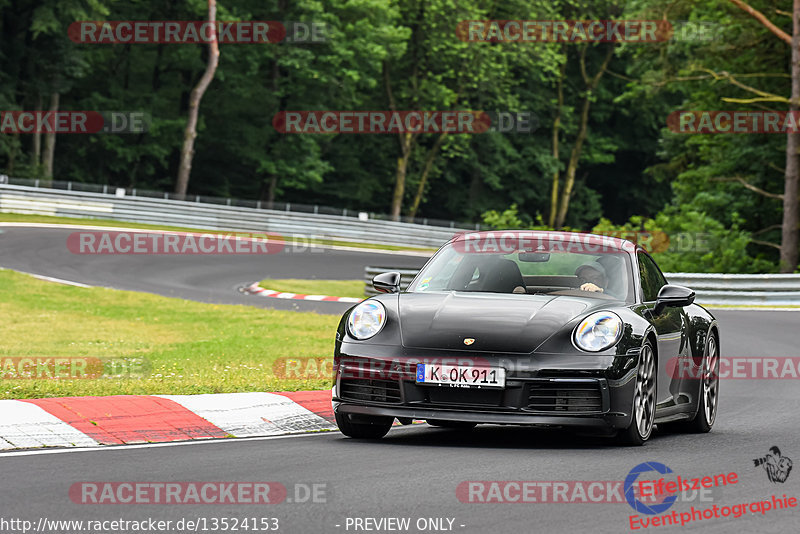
[644, 400]
[370, 428]
[708, 394]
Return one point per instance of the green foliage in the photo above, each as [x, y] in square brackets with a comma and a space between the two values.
[511, 219]
[630, 165]
[684, 240]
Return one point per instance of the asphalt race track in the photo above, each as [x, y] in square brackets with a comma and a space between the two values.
[206, 278]
[414, 471]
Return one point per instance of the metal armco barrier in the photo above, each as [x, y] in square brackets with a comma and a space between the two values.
[39, 201]
[741, 289]
[714, 289]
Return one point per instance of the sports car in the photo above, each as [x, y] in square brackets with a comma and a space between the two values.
[553, 329]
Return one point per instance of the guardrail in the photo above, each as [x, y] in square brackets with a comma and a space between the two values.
[741, 289]
[713, 289]
[65, 203]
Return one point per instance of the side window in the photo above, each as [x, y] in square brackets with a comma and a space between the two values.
[651, 278]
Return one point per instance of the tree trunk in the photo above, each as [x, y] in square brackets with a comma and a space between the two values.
[12, 154]
[189, 135]
[790, 233]
[423, 180]
[575, 156]
[273, 185]
[572, 166]
[551, 219]
[36, 155]
[50, 139]
[406, 141]
[400, 176]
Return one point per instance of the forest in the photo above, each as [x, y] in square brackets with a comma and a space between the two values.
[597, 150]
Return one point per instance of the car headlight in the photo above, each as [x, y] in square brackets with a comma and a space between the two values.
[366, 319]
[598, 331]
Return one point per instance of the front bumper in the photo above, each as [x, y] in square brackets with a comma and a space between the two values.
[591, 391]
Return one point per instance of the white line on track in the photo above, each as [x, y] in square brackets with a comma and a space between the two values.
[57, 280]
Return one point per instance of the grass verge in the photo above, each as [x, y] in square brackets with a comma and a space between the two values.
[188, 347]
[331, 288]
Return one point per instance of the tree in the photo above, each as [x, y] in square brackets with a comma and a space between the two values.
[590, 86]
[790, 231]
[187, 152]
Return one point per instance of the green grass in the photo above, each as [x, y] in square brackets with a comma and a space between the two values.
[22, 218]
[331, 288]
[188, 347]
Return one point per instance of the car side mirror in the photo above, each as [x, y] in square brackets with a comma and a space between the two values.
[387, 282]
[671, 296]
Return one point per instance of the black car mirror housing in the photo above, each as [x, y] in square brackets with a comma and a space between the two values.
[673, 296]
[387, 282]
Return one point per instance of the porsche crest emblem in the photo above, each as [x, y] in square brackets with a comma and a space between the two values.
[469, 341]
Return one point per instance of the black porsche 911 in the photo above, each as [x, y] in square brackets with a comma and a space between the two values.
[529, 328]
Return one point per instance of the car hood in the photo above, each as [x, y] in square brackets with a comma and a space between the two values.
[497, 322]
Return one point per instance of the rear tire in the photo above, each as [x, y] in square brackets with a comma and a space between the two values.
[643, 407]
[463, 425]
[370, 428]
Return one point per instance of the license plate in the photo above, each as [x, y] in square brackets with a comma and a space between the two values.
[467, 376]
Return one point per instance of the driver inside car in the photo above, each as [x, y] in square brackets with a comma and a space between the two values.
[592, 276]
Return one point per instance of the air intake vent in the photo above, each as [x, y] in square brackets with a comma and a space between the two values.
[565, 396]
[372, 390]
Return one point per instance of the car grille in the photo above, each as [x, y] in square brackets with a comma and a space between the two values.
[565, 396]
[370, 389]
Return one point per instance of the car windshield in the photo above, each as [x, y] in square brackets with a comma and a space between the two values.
[605, 275]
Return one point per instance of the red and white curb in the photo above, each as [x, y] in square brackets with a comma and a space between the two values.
[121, 419]
[255, 289]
